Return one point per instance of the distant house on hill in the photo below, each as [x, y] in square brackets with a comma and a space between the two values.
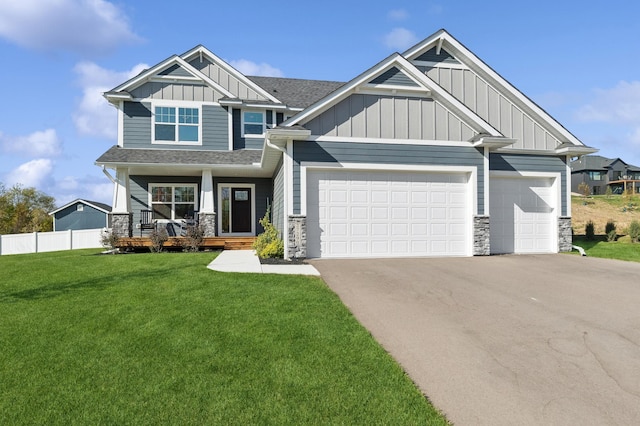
[599, 172]
[81, 214]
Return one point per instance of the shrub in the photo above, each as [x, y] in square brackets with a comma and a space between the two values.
[109, 239]
[193, 239]
[158, 238]
[590, 230]
[268, 244]
[610, 230]
[634, 231]
[584, 189]
[608, 192]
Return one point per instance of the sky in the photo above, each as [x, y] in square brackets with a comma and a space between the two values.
[579, 61]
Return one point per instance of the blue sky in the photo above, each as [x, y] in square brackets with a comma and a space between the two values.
[577, 60]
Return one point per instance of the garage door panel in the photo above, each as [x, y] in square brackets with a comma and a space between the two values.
[522, 215]
[388, 214]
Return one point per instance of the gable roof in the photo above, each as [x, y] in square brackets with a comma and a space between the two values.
[442, 39]
[598, 163]
[95, 204]
[423, 84]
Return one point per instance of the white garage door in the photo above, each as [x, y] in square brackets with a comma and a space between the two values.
[380, 214]
[523, 215]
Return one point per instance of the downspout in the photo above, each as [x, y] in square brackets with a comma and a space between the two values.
[111, 178]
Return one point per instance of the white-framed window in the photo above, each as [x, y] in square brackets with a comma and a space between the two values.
[173, 201]
[253, 123]
[176, 124]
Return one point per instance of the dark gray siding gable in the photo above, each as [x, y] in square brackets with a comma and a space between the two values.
[137, 125]
[175, 70]
[372, 153]
[533, 163]
[394, 77]
[87, 218]
[431, 56]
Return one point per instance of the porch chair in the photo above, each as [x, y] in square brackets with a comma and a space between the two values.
[146, 220]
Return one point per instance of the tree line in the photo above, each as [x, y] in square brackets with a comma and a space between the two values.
[25, 210]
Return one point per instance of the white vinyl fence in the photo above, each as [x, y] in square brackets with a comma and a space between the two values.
[39, 242]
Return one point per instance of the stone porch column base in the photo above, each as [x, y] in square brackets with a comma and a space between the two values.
[122, 224]
[481, 236]
[565, 237]
[208, 223]
[297, 237]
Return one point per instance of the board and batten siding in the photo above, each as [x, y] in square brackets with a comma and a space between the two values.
[138, 121]
[277, 205]
[533, 163]
[390, 117]
[493, 107]
[226, 80]
[379, 153]
[176, 92]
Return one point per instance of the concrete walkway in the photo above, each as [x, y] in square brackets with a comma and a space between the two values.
[247, 261]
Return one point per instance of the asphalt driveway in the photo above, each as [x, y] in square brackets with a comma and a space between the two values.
[506, 340]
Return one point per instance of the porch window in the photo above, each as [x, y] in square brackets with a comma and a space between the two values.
[173, 201]
[177, 124]
[253, 123]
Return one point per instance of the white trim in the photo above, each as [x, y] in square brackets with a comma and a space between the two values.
[264, 123]
[287, 164]
[252, 186]
[230, 126]
[175, 104]
[121, 124]
[196, 202]
[349, 139]
[79, 200]
[176, 79]
[568, 188]
[385, 88]
[487, 173]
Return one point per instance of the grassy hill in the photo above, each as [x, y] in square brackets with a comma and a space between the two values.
[621, 209]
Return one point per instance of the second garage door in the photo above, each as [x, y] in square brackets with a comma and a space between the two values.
[381, 214]
[523, 215]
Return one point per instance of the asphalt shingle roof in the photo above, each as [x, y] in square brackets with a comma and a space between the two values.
[297, 93]
[116, 154]
[597, 162]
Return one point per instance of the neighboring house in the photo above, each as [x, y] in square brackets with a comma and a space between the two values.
[426, 153]
[81, 214]
[599, 172]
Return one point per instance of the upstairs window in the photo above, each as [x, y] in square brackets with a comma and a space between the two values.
[177, 124]
[595, 175]
[253, 123]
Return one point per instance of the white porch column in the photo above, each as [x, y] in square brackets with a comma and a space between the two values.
[121, 199]
[206, 193]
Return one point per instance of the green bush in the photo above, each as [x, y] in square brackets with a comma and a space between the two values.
[610, 231]
[590, 230]
[634, 231]
[269, 245]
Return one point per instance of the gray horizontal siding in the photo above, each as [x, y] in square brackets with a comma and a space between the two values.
[390, 117]
[431, 56]
[533, 163]
[176, 70]
[344, 152]
[138, 122]
[493, 107]
[394, 77]
[137, 125]
[226, 80]
[238, 141]
[176, 92]
[277, 206]
[215, 128]
[88, 218]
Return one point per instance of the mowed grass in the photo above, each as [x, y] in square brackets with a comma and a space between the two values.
[622, 249]
[160, 339]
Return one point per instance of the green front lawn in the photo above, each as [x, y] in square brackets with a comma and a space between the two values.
[160, 339]
[622, 249]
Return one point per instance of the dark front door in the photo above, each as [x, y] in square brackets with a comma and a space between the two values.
[240, 210]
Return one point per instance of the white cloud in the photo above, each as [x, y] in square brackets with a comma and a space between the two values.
[43, 143]
[400, 39]
[93, 115]
[90, 188]
[620, 104]
[84, 26]
[31, 174]
[247, 67]
[398, 14]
